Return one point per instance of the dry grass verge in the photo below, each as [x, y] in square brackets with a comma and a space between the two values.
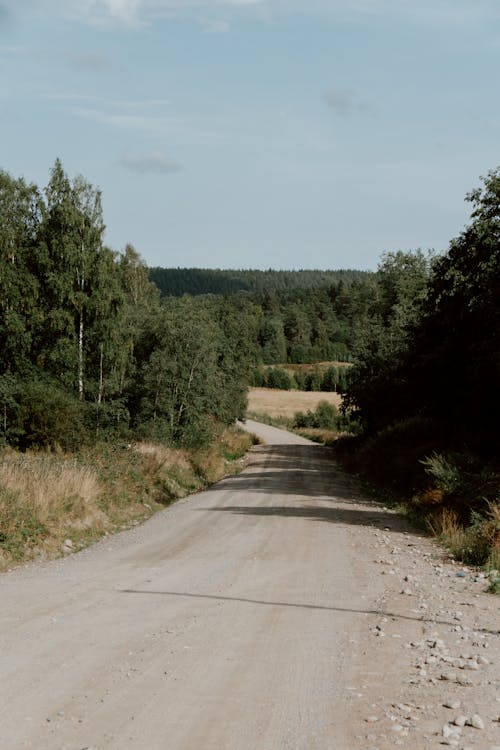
[52, 504]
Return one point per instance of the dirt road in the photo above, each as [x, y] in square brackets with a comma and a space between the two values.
[242, 618]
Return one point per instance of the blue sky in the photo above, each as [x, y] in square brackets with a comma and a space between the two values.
[258, 133]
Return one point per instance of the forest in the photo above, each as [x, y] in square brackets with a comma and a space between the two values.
[87, 350]
[179, 281]
[94, 346]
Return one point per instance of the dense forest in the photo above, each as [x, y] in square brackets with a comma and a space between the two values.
[179, 281]
[84, 331]
[86, 348]
[303, 316]
[425, 389]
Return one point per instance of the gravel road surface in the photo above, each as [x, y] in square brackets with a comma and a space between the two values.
[259, 615]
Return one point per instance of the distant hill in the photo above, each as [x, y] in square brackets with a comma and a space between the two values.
[174, 282]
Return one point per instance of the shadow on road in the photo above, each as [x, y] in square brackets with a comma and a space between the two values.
[375, 612]
[303, 473]
[355, 517]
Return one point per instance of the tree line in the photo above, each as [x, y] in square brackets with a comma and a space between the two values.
[86, 347]
[425, 385]
[179, 281]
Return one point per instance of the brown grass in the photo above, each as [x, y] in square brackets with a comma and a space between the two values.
[286, 403]
[46, 498]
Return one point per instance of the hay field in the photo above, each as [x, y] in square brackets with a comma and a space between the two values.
[278, 403]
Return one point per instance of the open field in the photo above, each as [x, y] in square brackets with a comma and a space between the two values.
[286, 403]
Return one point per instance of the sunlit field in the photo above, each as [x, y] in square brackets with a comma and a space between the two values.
[278, 403]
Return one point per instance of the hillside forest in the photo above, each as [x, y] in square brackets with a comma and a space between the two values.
[94, 346]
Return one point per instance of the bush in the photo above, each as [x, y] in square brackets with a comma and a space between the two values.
[392, 457]
[278, 378]
[447, 475]
[257, 378]
[325, 417]
[313, 381]
[48, 417]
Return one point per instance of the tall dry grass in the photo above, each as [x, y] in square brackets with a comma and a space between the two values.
[46, 499]
[43, 497]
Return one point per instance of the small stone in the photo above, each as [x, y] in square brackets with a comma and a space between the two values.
[460, 721]
[452, 704]
[449, 732]
[371, 719]
[448, 676]
[397, 727]
[472, 664]
[476, 722]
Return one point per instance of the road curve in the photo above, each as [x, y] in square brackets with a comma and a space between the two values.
[225, 622]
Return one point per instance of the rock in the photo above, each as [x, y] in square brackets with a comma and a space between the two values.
[452, 704]
[472, 664]
[460, 721]
[448, 676]
[448, 732]
[476, 722]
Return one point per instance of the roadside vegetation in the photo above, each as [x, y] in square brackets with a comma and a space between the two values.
[425, 388]
[54, 503]
[399, 369]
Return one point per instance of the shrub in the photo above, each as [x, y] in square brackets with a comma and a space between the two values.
[325, 417]
[279, 378]
[49, 417]
[446, 474]
[257, 378]
[392, 457]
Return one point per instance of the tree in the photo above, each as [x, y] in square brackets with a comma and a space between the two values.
[70, 245]
[20, 207]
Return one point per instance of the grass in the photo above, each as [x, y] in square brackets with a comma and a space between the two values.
[46, 499]
[276, 403]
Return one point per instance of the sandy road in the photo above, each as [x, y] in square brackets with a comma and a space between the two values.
[226, 622]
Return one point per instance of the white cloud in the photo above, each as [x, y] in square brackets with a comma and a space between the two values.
[137, 13]
[153, 162]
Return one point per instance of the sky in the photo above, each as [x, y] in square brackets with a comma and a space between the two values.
[258, 133]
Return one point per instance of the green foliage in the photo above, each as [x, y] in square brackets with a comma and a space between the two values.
[324, 417]
[392, 458]
[19, 525]
[446, 474]
[278, 378]
[48, 417]
[194, 281]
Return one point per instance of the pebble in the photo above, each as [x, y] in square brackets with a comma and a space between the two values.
[449, 731]
[476, 722]
[448, 676]
[452, 704]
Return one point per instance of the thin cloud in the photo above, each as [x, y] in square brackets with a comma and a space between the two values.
[121, 120]
[108, 14]
[153, 162]
[90, 60]
[347, 102]
[217, 27]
